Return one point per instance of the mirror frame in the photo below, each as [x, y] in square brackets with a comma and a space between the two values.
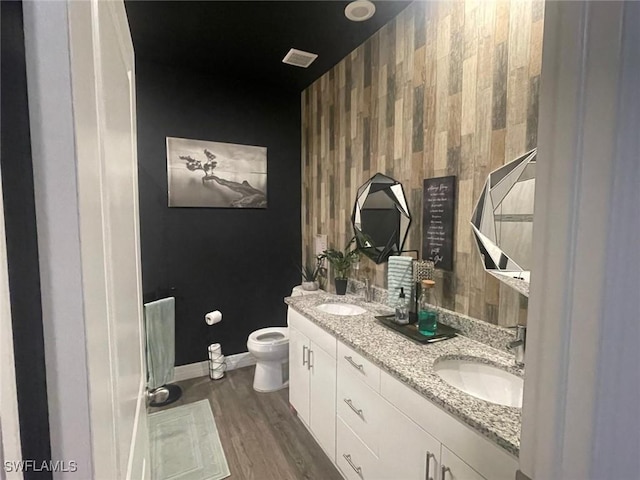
[495, 261]
[395, 191]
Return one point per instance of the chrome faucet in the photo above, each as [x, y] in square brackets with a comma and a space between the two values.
[519, 344]
[367, 289]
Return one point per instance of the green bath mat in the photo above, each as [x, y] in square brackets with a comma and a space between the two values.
[185, 444]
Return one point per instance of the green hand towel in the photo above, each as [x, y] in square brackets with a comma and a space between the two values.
[161, 352]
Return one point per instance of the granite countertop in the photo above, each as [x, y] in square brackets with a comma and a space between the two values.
[521, 286]
[412, 363]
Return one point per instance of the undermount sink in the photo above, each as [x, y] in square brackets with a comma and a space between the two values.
[345, 309]
[482, 381]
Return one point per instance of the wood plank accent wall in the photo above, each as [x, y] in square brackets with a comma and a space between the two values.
[446, 88]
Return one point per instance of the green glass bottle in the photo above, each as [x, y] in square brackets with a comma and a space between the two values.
[427, 313]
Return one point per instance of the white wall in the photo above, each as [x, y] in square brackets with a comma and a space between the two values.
[616, 446]
[581, 414]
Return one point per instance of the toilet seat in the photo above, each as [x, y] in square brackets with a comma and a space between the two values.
[268, 338]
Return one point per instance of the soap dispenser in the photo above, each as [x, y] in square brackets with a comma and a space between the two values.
[402, 309]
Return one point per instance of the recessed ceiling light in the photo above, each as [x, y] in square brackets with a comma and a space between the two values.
[360, 10]
[299, 58]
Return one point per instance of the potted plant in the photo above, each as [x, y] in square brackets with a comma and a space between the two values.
[311, 274]
[341, 261]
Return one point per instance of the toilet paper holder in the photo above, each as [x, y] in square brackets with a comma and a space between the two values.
[213, 317]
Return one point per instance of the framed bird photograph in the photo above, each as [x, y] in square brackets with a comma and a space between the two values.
[215, 174]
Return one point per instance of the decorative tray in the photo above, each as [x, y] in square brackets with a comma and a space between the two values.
[410, 330]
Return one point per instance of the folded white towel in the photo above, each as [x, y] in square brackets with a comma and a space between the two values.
[399, 275]
[400, 268]
[400, 259]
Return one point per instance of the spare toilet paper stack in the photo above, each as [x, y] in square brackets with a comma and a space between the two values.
[217, 365]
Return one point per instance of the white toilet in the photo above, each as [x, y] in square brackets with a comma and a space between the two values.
[270, 347]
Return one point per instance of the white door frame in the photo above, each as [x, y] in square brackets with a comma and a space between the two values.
[96, 402]
[55, 187]
[10, 447]
[581, 414]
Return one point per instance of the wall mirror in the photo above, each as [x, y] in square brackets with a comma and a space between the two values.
[502, 221]
[380, 218]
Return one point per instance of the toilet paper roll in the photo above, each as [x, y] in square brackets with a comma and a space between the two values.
[213, 317]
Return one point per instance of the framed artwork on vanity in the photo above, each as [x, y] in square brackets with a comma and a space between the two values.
[216, 175]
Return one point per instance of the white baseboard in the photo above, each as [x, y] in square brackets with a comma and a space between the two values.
[201, 369]
[191, 370]
[239, 360]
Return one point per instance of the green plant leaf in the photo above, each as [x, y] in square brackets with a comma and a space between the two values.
[341, 261]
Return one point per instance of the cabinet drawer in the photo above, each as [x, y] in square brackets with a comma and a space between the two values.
[360, 408]
[453, 468]
[353, 457]
[363, 368]
[313, 332]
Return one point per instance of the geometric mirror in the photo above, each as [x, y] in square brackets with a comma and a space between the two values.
[380, 218]
[502, 221]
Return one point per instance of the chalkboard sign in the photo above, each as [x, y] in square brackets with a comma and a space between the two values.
[438, 209]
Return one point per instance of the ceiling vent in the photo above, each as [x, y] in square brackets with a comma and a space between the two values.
[299, 58]
[360, 10]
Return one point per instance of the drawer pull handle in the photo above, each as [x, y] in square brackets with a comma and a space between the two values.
[352, 407]
[305, 360]
[444, 471]
[428, 469]
[358, 470]
[354, 364]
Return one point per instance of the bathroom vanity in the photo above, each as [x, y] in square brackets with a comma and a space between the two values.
[374, 402]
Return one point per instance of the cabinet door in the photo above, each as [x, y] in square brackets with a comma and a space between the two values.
[406, 450]
[299, 373]
[323, 399]
[453, 468]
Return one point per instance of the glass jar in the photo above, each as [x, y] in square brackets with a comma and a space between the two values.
[427, 311]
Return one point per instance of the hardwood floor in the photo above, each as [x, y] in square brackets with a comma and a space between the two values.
[261, 437]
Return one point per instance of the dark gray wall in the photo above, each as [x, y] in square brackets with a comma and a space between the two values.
[241, 262]
[22, 244]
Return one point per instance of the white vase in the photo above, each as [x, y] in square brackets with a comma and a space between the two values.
[310, 286]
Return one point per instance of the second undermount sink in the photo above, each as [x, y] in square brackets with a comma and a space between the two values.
[482, 381]
[344, 309]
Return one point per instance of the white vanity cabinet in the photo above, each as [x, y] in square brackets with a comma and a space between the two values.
[375, 427]
[465, 454]
[375, 440]
[312, 379]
